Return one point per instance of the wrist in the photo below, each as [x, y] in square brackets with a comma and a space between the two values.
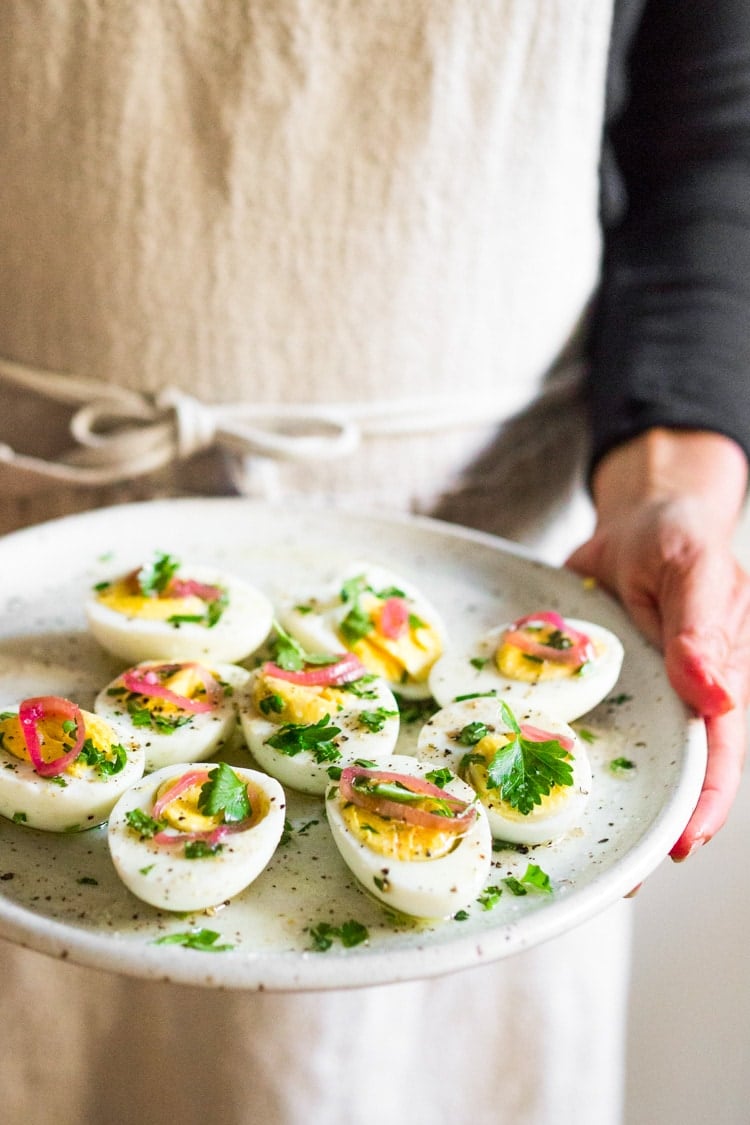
[662, 465]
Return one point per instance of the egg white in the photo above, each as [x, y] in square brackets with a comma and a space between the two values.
[74, 802]
[163, 877]
[243, 626]
[203, 733]
[315, 617]
[302, 771]
[568, 697]
[429, 888]
[439, 745]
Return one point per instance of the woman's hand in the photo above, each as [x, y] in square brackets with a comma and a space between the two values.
[667, 506]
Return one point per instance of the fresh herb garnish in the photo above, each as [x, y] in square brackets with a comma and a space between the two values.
[205, 941]
[289, 654]
[201, 849]
[396, 791]
[318, 738]
[153, 578]
[461, 916]
[440, 777]
[621, 765]
[351, 933]
[473, 733]
[101, 761]
[224, 794]
[374, 721]
[526, 771]
[533, 878]
[489, 897]
[587, 735]
[143, 824]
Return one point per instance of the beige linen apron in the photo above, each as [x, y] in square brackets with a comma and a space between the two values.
[369, 225]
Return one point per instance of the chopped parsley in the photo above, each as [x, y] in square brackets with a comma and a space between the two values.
[440, 777]
[101, 761]
[461, 916]
[473, 733]
[351, 933]
[143, 824]
[153, 578]
[289, 654]
[205, 941]
[621, 765]
[318, 738]
[201, 849]
[489, 897]
[533, 878]
[374, 721]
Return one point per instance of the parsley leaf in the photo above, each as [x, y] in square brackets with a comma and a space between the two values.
[143, 824]
[375, 720]
[318, 738]
[205, 941]
[289, 654]
[351, 933]
[226, 793]
[526, 771]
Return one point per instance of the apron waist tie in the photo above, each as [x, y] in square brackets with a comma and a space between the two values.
[122, 434]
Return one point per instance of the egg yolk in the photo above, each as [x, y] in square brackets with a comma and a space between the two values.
[394, 839]
[516, 664]
[285, 702]
[476, 775]
[55, 741]
[409, 656]
[184, 814]
[183, 681]
[119, 596]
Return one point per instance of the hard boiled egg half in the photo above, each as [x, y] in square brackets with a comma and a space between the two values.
[380, 617]
[420, 847]
[165, 610]
[542, 660]
[61, 768]
[178, 711]
[299, 722]
[530, 771]
[186, 838]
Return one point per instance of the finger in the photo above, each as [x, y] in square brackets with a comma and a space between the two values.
[727, 736]
[700, 620]
[640, 603]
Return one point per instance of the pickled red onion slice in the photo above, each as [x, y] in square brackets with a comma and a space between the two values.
[394, 618]
[212, 835]
[580, 651]
[462, 813]
[536, 734]
[190, 587]
[345, 670]
[192, 777]
[148, 683]
[33, 711]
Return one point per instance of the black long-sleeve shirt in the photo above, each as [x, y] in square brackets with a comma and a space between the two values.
[670, 341]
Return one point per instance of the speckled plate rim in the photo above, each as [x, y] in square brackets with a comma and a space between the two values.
[360, 966]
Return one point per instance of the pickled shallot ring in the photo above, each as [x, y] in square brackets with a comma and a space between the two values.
[33, 711]
[580, 651]
[213, 836]
[457, 818]
[536, 734]
[343, 671]
[185, 782]
[191, 588]
[394, 618]
[147, 683]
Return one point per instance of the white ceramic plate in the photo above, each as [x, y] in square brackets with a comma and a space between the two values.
[59, 893]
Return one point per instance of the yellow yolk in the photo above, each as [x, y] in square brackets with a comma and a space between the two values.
[476, 775]
[54, 741]
[412, 654]
[184, 814]
[514, 663]
[295, 703]
[119, 597]
[185, 682]
[396, 840]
